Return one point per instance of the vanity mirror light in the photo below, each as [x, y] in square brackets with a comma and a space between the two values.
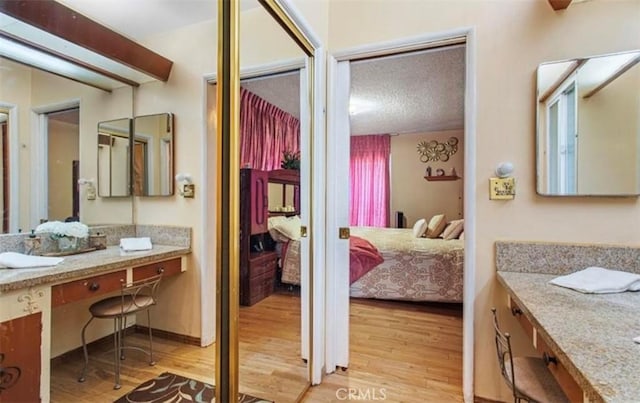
[153, 155]
[114, 158]
[588, 130]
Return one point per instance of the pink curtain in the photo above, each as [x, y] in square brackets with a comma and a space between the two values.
[266, 132]
[369, 183]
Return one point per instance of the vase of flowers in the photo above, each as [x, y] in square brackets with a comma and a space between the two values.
[66, 234]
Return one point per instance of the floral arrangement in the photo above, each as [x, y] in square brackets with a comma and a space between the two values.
[290, 160]
[59, 229]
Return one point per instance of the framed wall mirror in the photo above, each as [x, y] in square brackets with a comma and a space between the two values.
[114, 158]
[153, 155]
[57, 119]
[588, 130]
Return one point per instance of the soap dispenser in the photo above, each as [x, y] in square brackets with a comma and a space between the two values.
[32, 244]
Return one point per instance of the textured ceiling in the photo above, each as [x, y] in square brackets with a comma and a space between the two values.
[282, 90]
[410, 93]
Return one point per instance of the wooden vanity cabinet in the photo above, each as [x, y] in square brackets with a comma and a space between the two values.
[20, 341]
[567, 383]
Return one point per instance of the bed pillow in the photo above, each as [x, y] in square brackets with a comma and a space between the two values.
[419, 228]
[461, 237]
[436, 225]
[283, 229]
[453, 230]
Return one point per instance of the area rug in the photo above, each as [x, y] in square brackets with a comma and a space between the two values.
[168, 387]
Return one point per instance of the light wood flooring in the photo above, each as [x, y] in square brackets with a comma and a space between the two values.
[401, 352]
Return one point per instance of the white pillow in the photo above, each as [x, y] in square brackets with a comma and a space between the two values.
[453, 230]
[419, 228]
[436, 226]
[283, 229]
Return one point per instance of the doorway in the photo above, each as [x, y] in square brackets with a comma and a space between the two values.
[337, 250]
[63, 163]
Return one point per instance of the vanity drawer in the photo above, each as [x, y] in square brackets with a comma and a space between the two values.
[566, 381]
[86, 288]
[264, 263]
[522, 318]
[167, 267]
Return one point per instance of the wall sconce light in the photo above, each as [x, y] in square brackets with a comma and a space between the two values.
[91, 188]
[188, 189]
[504, 186]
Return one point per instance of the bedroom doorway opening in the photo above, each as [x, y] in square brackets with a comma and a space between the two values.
[399, 112]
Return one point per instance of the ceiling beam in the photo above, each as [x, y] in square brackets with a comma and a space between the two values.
[61, 21]
[559, 4]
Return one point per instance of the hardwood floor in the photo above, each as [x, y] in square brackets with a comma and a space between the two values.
[400, 352]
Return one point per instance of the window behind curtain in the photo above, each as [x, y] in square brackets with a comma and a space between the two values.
[369, 180]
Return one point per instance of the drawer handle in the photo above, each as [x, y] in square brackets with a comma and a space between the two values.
[548, 359]
[516, 311]
[160, 270]
[94, 286]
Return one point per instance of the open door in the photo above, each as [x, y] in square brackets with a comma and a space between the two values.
[338, 152]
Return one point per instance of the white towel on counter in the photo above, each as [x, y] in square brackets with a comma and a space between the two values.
[597, 280]
[15, 260]
[135, 244]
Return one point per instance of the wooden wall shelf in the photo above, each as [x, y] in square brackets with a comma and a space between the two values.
[442, 178]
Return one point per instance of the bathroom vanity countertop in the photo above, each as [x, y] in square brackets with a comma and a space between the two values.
[592, 334]
[84, 265]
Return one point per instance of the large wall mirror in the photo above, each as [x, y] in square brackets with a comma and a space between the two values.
[153, 155]
[49, 144]
[114, 158]
[588, 126]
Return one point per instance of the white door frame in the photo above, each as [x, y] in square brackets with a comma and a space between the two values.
[14, 165]
[386, 48]
[39, 154]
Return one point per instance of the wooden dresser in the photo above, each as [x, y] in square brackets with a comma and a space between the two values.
[257, 265]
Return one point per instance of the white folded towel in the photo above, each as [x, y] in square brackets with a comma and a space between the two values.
[135, 244]
[597, 280]
[15, 260]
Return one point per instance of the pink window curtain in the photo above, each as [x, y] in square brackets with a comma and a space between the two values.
[369, 183]
[266, 132]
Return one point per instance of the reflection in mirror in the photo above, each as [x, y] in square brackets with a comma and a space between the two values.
[56, 117]
[153, 155]
[114, 158]
[274, 121]
[588, 129]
